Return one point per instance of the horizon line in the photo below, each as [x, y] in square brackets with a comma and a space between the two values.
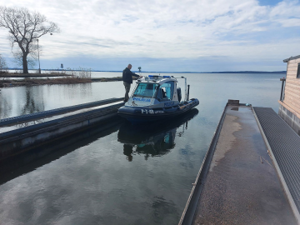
[243, 71]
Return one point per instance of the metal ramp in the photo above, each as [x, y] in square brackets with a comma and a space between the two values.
[284, 146]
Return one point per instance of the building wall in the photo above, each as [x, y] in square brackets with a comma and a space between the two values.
[290, 118]
[289, 109]
[292, 88]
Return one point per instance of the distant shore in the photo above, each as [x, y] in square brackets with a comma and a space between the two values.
[52, 78]
[22, 75]
[50, 71]
[49, 79]
[35, 82]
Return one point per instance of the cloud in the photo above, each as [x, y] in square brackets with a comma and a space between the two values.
[169, 29]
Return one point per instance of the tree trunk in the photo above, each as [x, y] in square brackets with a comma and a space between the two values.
[25, 65]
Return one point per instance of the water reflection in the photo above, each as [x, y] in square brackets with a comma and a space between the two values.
[23, 100]
[72, 91]
[154, 139]
[17, 101]
[33, 101]
[5, 107]
[32, 158]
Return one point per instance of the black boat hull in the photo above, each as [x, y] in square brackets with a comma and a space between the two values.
[146, 115]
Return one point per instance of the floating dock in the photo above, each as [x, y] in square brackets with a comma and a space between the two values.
[21, 133]
[250, 174]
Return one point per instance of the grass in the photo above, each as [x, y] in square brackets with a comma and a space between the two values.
[34, 82]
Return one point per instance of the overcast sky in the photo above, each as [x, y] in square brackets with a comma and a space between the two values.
[166, 35]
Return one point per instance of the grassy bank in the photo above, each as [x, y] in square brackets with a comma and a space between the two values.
[6, 82]
[34, 82]
[20, 75]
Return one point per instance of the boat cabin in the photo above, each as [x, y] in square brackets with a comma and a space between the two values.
[156, 91]
[289, 108]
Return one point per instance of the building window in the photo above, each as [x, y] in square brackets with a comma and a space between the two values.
[298, 71]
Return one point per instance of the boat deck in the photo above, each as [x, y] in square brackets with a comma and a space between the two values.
[238, 182]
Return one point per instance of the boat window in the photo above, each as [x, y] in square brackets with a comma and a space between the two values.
[168, 88]
[145, 90]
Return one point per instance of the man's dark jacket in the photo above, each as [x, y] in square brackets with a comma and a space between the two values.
[127, 75]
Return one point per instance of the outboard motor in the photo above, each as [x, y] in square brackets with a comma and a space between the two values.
[179, 94]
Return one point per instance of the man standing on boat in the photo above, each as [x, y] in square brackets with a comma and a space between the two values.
[127, 80]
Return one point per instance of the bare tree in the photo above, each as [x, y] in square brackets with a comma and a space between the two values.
[2, 63]
[31, 58]
[24, 28]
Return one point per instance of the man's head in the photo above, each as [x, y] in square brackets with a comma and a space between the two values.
[129, 66]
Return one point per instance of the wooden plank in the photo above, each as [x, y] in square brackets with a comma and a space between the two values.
[292, 65]
[294, 61]
[291, 97]
[292, 84]
[291, 100]
[293, 92]
[293, 106]
[288, 107]
[292, 88]
[293, 73]
[292, 70]
[291, 76]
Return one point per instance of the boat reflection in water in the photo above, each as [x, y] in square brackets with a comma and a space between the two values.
[152, 140]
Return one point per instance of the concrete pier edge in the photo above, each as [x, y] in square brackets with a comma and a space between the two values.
[20, 140]
[192, 202]
[53, 112]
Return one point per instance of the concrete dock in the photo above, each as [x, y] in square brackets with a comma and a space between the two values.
[21, 133]
[241, 180]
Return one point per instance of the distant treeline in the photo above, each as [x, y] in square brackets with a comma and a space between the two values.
[119, 71]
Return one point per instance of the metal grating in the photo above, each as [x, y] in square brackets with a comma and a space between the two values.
[285, 145]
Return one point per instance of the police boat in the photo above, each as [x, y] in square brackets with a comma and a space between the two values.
[157, 98]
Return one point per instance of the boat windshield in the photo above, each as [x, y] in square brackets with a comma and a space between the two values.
[145, 90]
[168, 89]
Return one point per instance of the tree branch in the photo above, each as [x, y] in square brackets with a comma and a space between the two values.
[24, 27]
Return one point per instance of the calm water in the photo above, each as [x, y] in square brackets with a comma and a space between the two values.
[125, 175]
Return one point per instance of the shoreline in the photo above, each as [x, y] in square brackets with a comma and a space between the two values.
[5, 82]
[34, 82]
[20, 75]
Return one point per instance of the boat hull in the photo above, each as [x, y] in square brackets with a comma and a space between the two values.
[147, 115]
